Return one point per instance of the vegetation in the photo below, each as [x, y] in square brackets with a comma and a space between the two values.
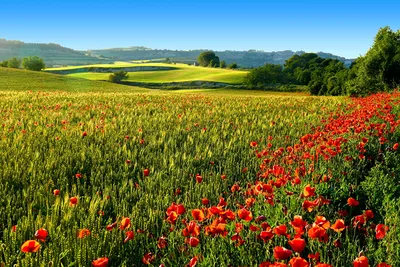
[122, 179]
[208, 59]
[377, 71]
[33, 63]
[14, 63]
[118, 76]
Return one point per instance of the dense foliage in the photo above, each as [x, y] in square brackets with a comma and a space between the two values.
[378, 70]
[118, 76]
[208, 59]
[33, 63]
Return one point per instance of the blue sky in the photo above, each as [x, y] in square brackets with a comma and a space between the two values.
[345, 28]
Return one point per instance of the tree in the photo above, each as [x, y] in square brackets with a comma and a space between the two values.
[379, 69]
[14, 63]
[222, 64]
[118, 76]
[205, 58]
[268, 74]
[33, 63]
[233, 66]
[4, 64]
[214, 63]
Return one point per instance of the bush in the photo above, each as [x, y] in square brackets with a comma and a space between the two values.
[33, 63]
[118, 76]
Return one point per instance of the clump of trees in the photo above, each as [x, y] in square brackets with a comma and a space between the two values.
[33, 63]
[208, 59]
[378, 70]
[29, 63]
[118, 76]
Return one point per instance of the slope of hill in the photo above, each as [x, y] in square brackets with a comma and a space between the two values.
[247, 59]
[160, 73]
[23, 80]
[52, 54]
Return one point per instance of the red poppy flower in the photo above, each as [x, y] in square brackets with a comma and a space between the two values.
[338, 226]
[361, 262]
[281, 253]
[125, 223]
[56, 192]
[100, 262]
[192, 229]
[198, 215]
[322, 221]
[162, 242]
[281, 230]
[83, 233]
[148, 258]
[369, 214]
[383, 264]
[266, 235]
[352, 202]
[205, 201]
[253, 144]
[317, 232]
[396, 146]
[146, 172]
[308, 191]
[199, 178]
[78, 176]
[323, 265]
[30, 246]
[298, 262]
[129, 236]
[380, 231]
[41, 234]
[192, 241]
[73, 201]
[245, 214]
[84, 134]
[223, 176]
[297, 244]
[192, 262]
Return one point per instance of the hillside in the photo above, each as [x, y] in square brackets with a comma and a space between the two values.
[247, 59]
[144, 74]
[52, 54]
[22, 80]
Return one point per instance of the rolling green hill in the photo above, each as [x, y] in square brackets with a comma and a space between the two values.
[23, 80]
[157, 73]
[52, 54]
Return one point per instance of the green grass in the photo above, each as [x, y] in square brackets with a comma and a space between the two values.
[22, 80]
[183, 73]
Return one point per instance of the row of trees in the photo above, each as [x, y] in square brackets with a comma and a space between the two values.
[209, 59]
[378, 70]
[30, 63]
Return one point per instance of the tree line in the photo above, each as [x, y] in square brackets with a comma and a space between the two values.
[29, 63]
[378, 70]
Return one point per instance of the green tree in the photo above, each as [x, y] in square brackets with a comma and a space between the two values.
[205, 58]
[33, 63]
[4, 64]
[233, 66]
[214, 63]
[118, 76]
[222, 64]
[14, 63]
[268, 74]
[379, 69]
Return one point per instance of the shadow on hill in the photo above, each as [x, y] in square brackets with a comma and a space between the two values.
[110, 70]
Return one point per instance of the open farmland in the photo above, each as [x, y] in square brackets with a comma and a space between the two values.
[175, 73]
[134, 177]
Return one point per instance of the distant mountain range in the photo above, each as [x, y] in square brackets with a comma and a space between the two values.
[57, 55]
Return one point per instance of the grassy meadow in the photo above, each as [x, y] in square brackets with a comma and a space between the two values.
[99, 174]
[180, 73]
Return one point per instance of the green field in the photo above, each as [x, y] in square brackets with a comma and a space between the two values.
[182, 73]
[96, 172]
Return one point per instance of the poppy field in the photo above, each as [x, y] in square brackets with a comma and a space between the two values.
[165, 179]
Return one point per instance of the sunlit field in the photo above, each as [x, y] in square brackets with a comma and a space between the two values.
[196, 178]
